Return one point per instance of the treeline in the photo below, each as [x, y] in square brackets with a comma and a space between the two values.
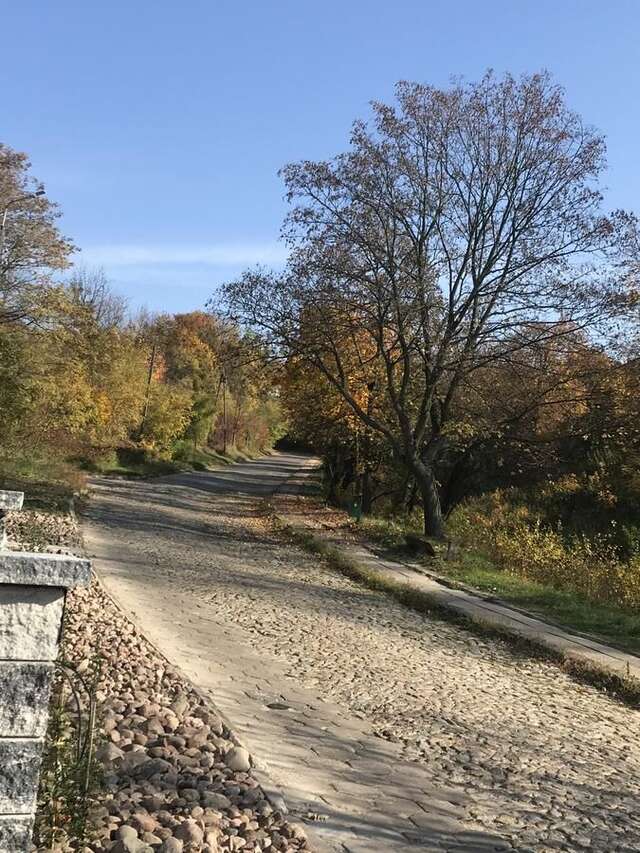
[82, 380]
[459, 312]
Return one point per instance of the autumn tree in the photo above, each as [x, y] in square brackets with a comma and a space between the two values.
[516, 421]
[462, 227]
[354, 456]
[31, 246]
[207, 385]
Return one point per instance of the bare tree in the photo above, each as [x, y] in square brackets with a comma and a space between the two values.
[90, 290]
[462, 226]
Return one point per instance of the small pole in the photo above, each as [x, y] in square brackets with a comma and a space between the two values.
[224, 413]
[148, 391]
[8, 501]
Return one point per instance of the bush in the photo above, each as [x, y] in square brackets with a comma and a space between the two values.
[520, 542]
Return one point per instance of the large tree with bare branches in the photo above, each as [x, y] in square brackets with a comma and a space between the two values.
[461, 228]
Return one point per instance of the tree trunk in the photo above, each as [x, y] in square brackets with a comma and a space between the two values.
[334, 467]
[409, 493]
[433, 523]
[367, 492]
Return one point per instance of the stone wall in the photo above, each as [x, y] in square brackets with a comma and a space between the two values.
[32, 592]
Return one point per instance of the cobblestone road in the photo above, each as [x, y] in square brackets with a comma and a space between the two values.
[541, 762]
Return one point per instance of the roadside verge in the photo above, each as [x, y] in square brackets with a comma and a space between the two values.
[608, 667]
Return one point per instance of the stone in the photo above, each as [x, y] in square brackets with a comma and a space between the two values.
[10, 501]
[172, 845]
[171, 721]
[191, 795]
[180, 704]
[24, 698]
[212, 818]
[144, 822]
[129, 842]
[133, 759]
[30, 620]
[151, 838]
[15, 833]
[127, 832]
[150, 767]
[43, 569]
[190, 832]
[154, 727]
[213, 800]
[238, 759]
[199, 738]
[19, 766]
[152, 803]
[131, 845]
[108, 753]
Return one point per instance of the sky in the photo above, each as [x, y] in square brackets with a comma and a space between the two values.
[159, 127]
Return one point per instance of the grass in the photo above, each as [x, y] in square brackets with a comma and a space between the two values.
[70, 774]
[623, 689]
[137, 463]
[569, 609]
[143, 468]
[48, 483]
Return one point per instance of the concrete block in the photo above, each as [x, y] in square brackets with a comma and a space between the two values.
[30, 619]
[24, 698]
[19, 768]
[42, 569]
[15, 833]
[10, 500]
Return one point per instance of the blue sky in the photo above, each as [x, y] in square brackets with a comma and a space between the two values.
[160, 127]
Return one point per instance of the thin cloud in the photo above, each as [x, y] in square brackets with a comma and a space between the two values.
[223, 255]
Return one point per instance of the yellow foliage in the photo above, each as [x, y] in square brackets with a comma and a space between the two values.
[520, 544]
[167, 417]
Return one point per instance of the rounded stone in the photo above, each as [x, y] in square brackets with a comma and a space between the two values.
[238, 759]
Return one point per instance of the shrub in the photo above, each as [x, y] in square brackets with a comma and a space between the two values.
[520, 542]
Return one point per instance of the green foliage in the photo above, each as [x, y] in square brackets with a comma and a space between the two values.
[83, 386]
[132, 461]
[390, 532]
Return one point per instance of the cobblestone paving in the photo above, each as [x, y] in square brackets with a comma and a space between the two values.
[545, 763]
